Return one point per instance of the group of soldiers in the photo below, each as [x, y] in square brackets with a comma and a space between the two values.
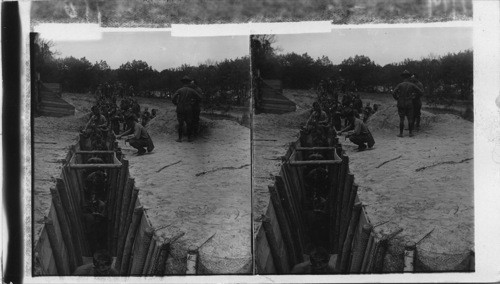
[115, 89]
[327, 116]
[326, 119]
[125, 120]
[328, 113]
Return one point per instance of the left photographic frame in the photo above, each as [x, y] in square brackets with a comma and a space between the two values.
[141, 155]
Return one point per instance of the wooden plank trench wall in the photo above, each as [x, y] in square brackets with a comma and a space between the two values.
[282, 239]
[62, 245]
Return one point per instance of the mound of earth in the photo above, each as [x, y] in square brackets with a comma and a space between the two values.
[165, 122]
[387, 118]
[288, 120]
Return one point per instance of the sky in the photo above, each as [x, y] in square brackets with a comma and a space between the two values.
[383, 46]
[158, 49]
[161, 51]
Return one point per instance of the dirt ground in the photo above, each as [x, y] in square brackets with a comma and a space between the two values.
[205, 197]
[428, 186]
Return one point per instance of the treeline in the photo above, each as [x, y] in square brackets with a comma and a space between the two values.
[448, 76]
[229, 79]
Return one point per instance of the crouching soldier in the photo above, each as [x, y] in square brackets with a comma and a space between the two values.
[320, 262]
[358, 132]
[138, 137]
[100, 266]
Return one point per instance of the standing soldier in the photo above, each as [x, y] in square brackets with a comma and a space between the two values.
[405, 92]
[185, 99]
[417, 102]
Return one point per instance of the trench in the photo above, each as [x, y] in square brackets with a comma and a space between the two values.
[71, 234]
[95, 206]
[314, 203]
[241, 117]
[462, 111]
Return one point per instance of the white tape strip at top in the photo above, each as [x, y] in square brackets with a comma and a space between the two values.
[250, 28]
[85, 32]
[69, 31]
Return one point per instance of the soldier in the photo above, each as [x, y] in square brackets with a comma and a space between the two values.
[97, 120]
[358, 132]
[94, 221]
[138, 137]
[347, 99]
[405, 92]
[320, 262]
[100, 266]
[115, 117]
[185, 99]
[318, 116]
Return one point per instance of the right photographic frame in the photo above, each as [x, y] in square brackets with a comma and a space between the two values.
[362, 151]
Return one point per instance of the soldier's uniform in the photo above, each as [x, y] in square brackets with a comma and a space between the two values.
[405, 93]
[185, 99]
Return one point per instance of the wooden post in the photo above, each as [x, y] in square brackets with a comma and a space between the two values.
[142, 252]
[154, 258]
[273, 246]
[77, 235]
[472, 262]
[283, 225]
[191, 261]
[346, 250]
[132, 205]
[55, 247]
[294, 227]
[291, 190]
[149, 255]
[314, 162]
[123, 226]
[110, 205]
[368, 253]
[124, 177]
[314, 148]
[66, 175]
[373, 252]
[378, 265]
[359, 252]
[344, 168]
[346, 207]
[409, 256]
[333, 175]
[350, 206]
[127, 251]
[74, 189]
[159, 265]
[65, 229]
